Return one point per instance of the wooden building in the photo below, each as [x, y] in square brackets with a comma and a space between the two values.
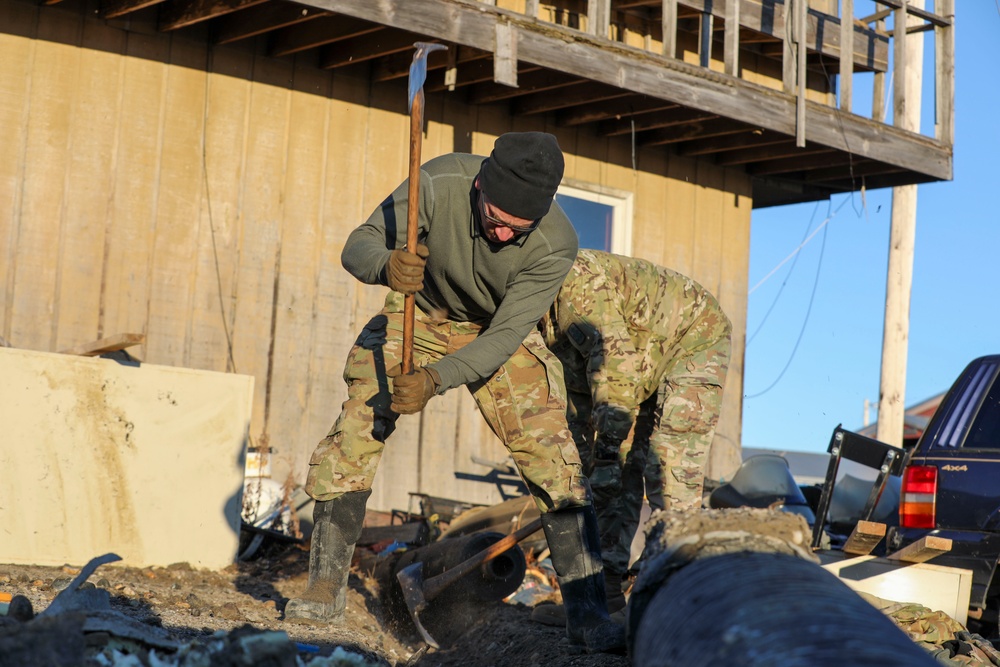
[190, 169]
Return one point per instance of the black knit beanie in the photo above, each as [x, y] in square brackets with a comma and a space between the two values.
[522, 173]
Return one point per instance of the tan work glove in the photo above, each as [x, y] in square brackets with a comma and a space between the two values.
[405, 271]
[411, 392]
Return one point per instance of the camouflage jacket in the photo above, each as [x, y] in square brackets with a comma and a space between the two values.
[615, 325]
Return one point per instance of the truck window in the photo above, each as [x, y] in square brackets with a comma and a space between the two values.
[985, 430]
[962, 404]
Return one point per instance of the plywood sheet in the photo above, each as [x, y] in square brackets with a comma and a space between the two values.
[144, 461]
[936, 587]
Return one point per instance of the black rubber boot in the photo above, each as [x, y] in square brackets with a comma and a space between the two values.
[555, 614]
[575, 547]
[336, 527]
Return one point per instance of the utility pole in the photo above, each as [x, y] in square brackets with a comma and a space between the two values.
[908, 64]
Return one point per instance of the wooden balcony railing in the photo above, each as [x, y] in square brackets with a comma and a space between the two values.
[803, 30]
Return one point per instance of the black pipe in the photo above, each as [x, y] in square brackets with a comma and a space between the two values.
[756, 610]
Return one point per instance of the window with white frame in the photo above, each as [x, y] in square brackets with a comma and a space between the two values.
[601, 216]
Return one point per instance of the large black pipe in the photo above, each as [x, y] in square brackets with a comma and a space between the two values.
[727, 597]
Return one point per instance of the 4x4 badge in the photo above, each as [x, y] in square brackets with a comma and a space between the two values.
[951, 468]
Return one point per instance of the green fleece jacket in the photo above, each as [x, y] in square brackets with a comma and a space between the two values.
[506, 287]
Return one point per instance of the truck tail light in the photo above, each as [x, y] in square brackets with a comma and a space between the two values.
[919, 493]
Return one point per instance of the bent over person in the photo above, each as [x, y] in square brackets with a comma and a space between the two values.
[645, 347]
[493, 251]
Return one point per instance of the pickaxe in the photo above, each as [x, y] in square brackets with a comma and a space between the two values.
[418, 74]
[418, 593]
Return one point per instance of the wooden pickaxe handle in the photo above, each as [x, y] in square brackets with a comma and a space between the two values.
[418, 73]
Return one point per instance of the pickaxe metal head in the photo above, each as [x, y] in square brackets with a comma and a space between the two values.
[418, 69]
[411, 580]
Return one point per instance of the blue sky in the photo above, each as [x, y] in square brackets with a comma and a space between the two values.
[820, 314]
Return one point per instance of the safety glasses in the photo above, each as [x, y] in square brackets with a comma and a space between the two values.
[497, 222]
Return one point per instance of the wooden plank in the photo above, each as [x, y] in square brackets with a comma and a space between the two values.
[179, 182]
[230, 87]
[599, 18]
[801, 83]
[505, 54]
[622, 107]
[944, 42]
[398, 66]
[532, 81]
[361, 49]
[583, 92]
[710, 201]
[668, 27]
[54, 79]
[922, 550]
[814, 160]
[724, 456]
[107, 344]
[699, 129]
[17, 51]
[336, 319]
[112, 9]
[750, 138]
[878, 87]
[531, 9]
[663, 78]
[178, 14]
[675, 235]
[652, 122]
[88, 180]
[261, 19]
[117, 443]
[846, 79]
[900, 114]
[301, 253]
[771, 152]
[259, 245]
[128, 262]
[478, 71]
[769, 18]
[325, 30]
[944, 19]
[865, 537]
[731, 51]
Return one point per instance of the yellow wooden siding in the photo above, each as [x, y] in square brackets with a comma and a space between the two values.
[203, 196]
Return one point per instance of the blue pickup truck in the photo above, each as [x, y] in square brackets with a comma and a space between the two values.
[951, 485]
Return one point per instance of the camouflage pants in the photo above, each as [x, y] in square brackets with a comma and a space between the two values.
[523, 402]
[665, 456]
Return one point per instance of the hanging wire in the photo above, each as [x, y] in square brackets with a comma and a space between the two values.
[781, 289]
[812, 298]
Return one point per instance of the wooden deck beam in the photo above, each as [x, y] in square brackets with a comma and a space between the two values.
[536, 81]
[261, 19]
[802, 162]
[178, 14]
[582, 92]
[750, 137]
[324, 30]
[699, 129]
[398, 66]
[623, 107]
[631, 69]
[680, 116]
[361, 48]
